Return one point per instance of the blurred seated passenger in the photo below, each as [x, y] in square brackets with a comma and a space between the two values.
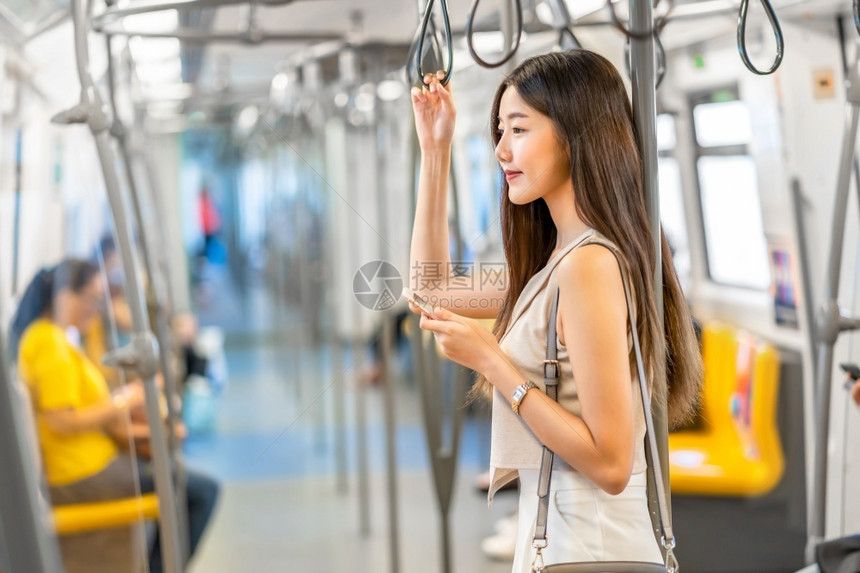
[73, 407]
[76, 414]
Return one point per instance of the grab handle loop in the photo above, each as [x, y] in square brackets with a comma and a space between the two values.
[777, 33]
[661, 59]
[514, 43]
[566, 35]
[415, 61]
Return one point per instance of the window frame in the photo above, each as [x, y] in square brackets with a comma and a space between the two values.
[695, 99]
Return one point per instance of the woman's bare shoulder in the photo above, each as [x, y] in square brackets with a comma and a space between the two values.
[591, 266]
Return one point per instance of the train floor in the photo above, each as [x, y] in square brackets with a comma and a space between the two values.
[273, 450]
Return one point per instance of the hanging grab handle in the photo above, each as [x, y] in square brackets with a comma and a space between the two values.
[422, 34]
[777, 34]
[567, 34]
[661, 59]
[515, 41]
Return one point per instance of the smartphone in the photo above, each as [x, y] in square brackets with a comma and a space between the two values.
[418, 301]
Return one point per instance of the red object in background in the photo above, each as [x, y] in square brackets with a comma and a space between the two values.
[210, 220]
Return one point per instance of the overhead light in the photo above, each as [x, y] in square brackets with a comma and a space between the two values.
[164, 72]
[280, 81]
[145, 50]
[160, 21]
[491, 42]
[390, 90]
[582, 8]
[365, 99]
[247, 119]
[544, 14]
[176, 91]
[163, 109]
[341, 99]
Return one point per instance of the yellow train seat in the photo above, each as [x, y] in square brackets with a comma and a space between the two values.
[102, 515]
[739, 452]
[76, 518]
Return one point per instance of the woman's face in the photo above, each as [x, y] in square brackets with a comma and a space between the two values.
[529, 152]
[78, 309]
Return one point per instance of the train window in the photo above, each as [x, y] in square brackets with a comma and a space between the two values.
[737, 253]
[722, 123]
[666, 138]
[671, 197]
[672, 216]
[728, 189]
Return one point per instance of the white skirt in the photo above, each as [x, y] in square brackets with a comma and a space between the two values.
[585, 523]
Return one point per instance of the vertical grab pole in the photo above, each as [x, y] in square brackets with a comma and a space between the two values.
[360, 396]
[158, 284]
[643, 76]
[16, 232]
[385, 353]
[335, 345]
[798, 201]
[831, 321]
[441, 407]
[141, 353]
[23, 515]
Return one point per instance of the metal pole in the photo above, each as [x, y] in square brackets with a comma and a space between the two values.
[385, 349]
[336, 349]
[643, 78]
[339, 414]
[361, 443]
[23, 515]
[141, 353]
[360, 404]
[798, 203]
[831, 320]
[157, 283]
[440, 405]
[16, 232]
[158, 206]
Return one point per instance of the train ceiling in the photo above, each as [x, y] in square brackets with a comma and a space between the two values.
[385, 27]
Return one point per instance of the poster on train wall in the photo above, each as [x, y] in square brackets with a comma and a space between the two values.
[784, 283]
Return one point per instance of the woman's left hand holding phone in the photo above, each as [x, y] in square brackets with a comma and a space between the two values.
[464, 340]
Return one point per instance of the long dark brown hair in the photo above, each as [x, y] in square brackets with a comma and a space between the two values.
[583, 95]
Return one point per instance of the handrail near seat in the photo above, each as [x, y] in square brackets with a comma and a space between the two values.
[80, 517]
[739, 452]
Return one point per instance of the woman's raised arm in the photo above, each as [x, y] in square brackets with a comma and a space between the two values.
[430, 261]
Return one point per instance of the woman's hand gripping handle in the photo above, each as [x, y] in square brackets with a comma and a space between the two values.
[435, 114]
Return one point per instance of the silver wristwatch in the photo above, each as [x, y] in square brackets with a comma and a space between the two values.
[519, 394]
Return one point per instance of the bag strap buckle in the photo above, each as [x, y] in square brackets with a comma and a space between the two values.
[672, 565]
[546, 369]
[537, 563]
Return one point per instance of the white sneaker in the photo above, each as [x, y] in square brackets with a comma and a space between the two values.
[503, 544]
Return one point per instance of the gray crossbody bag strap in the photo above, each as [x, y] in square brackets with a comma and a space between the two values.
[552, 375]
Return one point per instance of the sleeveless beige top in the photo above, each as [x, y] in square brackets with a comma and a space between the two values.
[513, 446]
